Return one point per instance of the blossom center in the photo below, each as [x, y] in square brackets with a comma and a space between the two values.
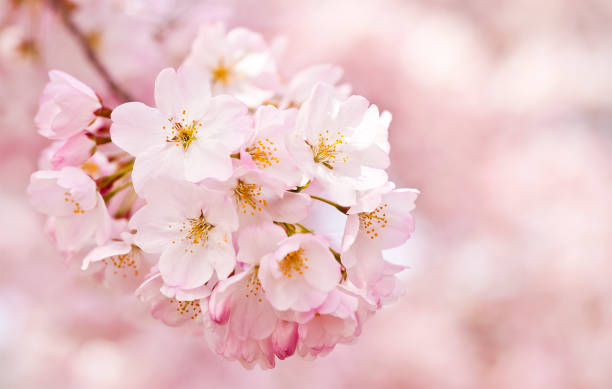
[221, 73]
[123, 263]
[327, 150]
[189, 308]
[77, 207]
[253, 286]
[248, 197]
[182, 133]
[371, 222]
[294, 262]
[197, 230]
[262, 153]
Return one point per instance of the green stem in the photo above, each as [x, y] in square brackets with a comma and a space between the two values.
[339, 207]
[109, 195]
[108, 180]
[300, 188]
[342, 268]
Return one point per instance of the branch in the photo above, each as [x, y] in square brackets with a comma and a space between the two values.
[64, 12]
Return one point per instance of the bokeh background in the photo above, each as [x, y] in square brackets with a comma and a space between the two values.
[502, 118]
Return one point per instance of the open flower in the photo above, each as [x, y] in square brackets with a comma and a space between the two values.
[238, 63]
[243, 324]
[70, 197]
[66, 106]
[260, 198]
[299, 273]
[119, 263]
[336, 320]
[341, 145]
[190, 135]
[381, 219]
[266, 150]
[191, 228]
[176, 310]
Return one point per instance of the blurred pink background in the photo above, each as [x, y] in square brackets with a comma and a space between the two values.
[502, 118]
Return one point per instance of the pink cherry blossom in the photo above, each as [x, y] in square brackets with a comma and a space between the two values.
[122, 265]
[335, 321]
[69, 196]
[266, 150]
[380, 220]
[174, 311]
[260, 198]
[299, 273]
[341, 144]
[66, 107]
[191, 228]
[190, 135]
[244, 326]
[237, 62]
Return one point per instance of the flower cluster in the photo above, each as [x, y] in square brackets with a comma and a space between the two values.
[214, 205]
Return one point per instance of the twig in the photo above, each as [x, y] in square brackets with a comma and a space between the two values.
[64, 12]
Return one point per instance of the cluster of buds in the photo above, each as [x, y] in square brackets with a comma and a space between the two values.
[215, 206]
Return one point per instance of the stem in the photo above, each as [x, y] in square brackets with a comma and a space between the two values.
[104, 112]
[108, 180]
[342, 268]
[64, 12]
[300, 188]
[109, 195]
[303, 229]
[339, 207]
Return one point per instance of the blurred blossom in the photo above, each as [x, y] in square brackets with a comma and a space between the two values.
[502, 114]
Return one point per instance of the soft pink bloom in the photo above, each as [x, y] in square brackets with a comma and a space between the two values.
[381, 219]
[237, 62]
[191, 227]
[299, 273]
[341, 145]
[78, 210]
[334, 321]
[260, 198]
[66, 107]
[190, 135]
[300, 86]
[244, 326]
[266, 150]
[174, 311]
[122, 265]
[74, 152]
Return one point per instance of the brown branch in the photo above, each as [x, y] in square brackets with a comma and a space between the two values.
[64, 11]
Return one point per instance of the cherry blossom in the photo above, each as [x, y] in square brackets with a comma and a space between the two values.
[190, 135]
[340, 144]
[266, 150]
[381, 219]
[260, 198]
[67, 106]
[191, 228]
[251, 211]
[174, 311]
[69, 196]
[121, 265]
[299, 273]
[237, 62]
